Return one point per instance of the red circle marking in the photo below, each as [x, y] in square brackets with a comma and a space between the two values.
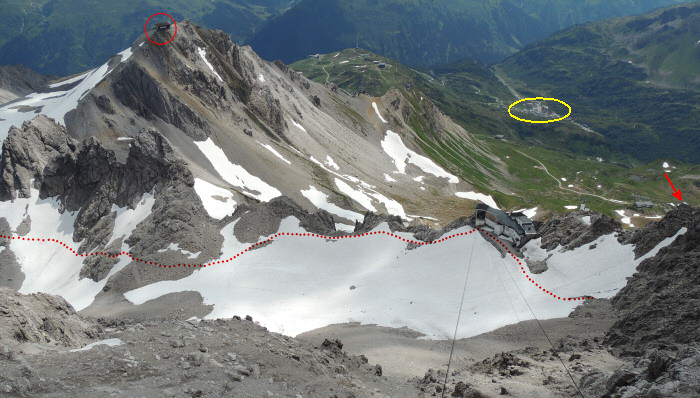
[146, 28]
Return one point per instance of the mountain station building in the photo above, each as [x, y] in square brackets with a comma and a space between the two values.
[516, 225]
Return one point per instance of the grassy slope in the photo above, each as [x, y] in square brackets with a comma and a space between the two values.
[473, 96]
[69, 36]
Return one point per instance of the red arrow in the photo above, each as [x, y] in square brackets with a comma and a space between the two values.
[676, 192]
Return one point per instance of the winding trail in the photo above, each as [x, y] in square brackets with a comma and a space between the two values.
[496, 242]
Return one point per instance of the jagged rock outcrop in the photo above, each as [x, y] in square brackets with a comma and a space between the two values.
[659, 311]
[27, 152]
[660, 306]
[570, 231]
[264, 219]
[372, 220]
[653, 233]
[42, 318]
[86, 177]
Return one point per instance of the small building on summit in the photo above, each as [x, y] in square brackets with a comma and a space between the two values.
[516, 226]
[163, 25]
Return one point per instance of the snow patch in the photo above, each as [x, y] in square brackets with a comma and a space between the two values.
[374, 105]
[320, 200]
[217, 201]
[274, 152]
[236, 175]
[331, 163]
[357, 195]
[571, 207]
[126, 54]
[529, 213]
[487, 199]
[665, 165]
[203, 54]
[623, 218]
[108, 342]
[586, 219]
[261, 78]
[176, 247]
[343, 62]
[388, 178]
[400, 154]
[299, 126]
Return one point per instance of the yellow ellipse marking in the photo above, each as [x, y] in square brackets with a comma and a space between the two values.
[539, 121]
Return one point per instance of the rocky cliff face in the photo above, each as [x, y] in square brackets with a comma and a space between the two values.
[86, 177]
[659, 312]
[571, 231]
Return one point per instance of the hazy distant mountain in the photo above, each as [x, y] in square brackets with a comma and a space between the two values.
[636, 80]
[69, 36]
[429, 32]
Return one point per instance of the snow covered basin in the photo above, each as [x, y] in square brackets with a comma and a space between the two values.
[300, 283]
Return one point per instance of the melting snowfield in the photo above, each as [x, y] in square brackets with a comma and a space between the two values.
[296, 284]
[236, 175]
[299, 283]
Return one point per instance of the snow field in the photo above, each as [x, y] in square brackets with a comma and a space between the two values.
[297, 283]
[236, 175]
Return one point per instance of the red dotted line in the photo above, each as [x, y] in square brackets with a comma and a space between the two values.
[334, 238]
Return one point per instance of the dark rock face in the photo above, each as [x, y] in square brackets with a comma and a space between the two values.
[21, 80]
[652, 234]
[660, 306]
[42, 318]
[570, 232]
[658, 373]
[32, 150]
[660, 313]
[264, 219]
[141, 92]
[87, 177]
